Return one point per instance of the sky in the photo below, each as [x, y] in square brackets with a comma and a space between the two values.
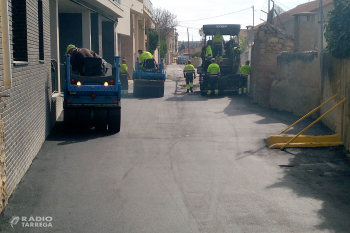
[191, 12]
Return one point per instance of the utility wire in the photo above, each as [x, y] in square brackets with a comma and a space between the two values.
[187, 27]
[287, 7]
[217, 16]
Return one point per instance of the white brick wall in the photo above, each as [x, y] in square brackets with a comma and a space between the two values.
[27, 115]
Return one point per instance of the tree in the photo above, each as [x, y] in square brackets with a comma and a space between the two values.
[165, 22]
[152, 39]
[338, 30]
[182, 47]
[163, 48]
[242, 43]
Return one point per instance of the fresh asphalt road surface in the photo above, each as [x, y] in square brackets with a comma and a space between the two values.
[184, 163]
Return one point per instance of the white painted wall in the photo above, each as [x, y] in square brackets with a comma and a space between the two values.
[130, 6]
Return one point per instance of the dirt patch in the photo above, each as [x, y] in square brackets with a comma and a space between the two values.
[175, 73]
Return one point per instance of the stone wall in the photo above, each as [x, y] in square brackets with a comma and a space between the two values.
[296, 87]
[305, 32]
[269, 42]
[336, 80]
[300, 87]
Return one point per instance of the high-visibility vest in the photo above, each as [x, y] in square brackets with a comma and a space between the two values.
[213, 68]
[245, 69]
[123, 68]
[208, 51]
[218, 38]
[145, 55]
[189, 67]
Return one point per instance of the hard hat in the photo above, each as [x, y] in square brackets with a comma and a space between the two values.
[213, 59]
[69, 47]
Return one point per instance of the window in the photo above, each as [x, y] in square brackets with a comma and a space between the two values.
[19, 30]
[41, 30]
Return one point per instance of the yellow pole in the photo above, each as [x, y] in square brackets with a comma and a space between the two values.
[313, 123]
[307, 115]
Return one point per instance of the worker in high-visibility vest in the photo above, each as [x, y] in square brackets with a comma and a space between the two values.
[245, 69]
[189, 74]
[213, 73]
[123, 68]
[218, 38]
[123, 76]
[143, 56]
[236, 52]
[208, 50]
[218, 44]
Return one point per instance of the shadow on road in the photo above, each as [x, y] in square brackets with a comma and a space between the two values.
[241, 105]
[187, 97]
[58, 133]
[321, 174]
[127, 96]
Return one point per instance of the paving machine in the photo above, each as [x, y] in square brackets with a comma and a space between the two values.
[229, 61]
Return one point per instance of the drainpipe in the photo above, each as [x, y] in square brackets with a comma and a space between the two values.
[321, 26]
[6, 44]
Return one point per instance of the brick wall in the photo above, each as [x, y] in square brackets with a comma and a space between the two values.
[27, 117]
[3, 180]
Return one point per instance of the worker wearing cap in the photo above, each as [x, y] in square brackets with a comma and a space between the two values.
[189, 73]
[144, 55]
[214, 70]
[77, 57]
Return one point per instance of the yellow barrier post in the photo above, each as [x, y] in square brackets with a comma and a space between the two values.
[307, 115]
[313, 123]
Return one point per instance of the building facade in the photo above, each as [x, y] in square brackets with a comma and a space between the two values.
[172, 43]
[26, 78]
[34, 34]
[133, 36]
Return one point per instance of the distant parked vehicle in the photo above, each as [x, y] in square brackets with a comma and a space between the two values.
[181, 60]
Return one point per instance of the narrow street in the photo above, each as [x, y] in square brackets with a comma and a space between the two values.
[185, 163]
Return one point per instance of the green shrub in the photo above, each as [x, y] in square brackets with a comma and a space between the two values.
[163, 48]
[152, 39]
[338, 30]
[197, 54]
